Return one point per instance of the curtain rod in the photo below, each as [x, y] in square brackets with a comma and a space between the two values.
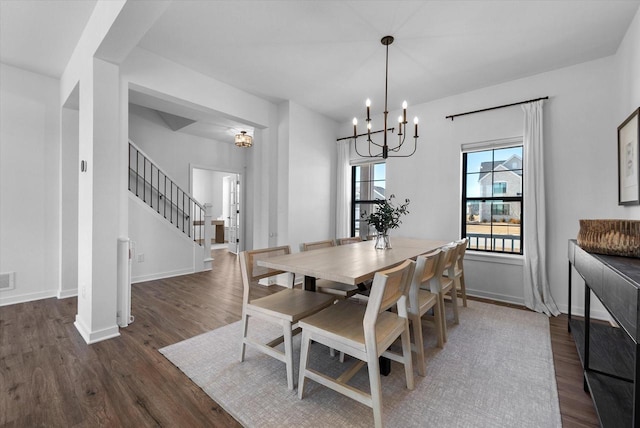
[366, 133]
[497, 107]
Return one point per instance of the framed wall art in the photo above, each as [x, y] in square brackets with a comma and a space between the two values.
[629, 161]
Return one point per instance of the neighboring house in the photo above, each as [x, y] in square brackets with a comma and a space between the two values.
[506, 180]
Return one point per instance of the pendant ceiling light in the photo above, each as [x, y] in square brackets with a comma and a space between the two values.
[244, 140]
[385, 150]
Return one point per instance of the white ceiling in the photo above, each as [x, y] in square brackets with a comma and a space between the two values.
[327, 55]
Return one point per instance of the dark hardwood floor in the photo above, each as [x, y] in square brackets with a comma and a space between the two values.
[50, 377]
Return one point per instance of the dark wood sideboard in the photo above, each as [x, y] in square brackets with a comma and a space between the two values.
[609, 355]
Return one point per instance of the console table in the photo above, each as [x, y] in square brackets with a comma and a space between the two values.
[609, 355]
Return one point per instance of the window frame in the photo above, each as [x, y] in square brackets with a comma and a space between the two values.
[503, 199]
[355, 202]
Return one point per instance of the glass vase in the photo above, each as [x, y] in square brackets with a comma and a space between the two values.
[382, 241]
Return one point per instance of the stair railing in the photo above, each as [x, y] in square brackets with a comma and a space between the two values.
[150, 184]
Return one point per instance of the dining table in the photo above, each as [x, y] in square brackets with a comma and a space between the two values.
[352, 263]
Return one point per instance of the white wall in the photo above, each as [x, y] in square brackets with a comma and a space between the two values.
[69, 203]
[159, 249]
[29, 183]
[310, 161]
[628, 87]
[208, 189]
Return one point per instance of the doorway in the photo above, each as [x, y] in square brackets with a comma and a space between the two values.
[221, 189]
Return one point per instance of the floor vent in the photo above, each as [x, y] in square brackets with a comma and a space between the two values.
[7, 281]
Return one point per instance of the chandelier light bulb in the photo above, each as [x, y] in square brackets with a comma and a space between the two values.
[368, 102]
[404, 105]
[355, 121]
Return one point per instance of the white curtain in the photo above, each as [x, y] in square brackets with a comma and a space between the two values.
[537, 295]
[343, 193]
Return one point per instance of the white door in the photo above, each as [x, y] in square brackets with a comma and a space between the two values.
[232, 184]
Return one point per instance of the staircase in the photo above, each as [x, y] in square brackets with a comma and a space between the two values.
[151, 185]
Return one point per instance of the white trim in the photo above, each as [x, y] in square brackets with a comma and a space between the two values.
[501, 143]
[495, 296]
[493, 257]
[91, 337]
[162, 275]
[64, 294]
[30, 297]
[579, 312]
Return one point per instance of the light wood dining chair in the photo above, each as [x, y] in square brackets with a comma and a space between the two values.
[458, 271]
[285, 307]
[337, 289]
[445, 285]
[421, 300]
[350, 240]
[366, 333]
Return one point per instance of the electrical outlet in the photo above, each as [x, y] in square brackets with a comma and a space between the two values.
[140, 258]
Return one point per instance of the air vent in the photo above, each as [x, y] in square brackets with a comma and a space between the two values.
[7, 281]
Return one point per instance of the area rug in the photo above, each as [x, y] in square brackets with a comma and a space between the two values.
[496, 370]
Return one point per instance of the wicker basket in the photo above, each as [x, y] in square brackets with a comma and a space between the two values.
[613, 237]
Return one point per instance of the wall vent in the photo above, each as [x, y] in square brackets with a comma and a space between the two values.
[7, 281]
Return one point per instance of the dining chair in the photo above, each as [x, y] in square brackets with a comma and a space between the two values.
[337, 289]
[285, 307]
[350, 240]
[365, 332]
[445, 285]
[421, 300]
[458, 271]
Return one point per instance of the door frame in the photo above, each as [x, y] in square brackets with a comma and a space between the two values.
[241, 174]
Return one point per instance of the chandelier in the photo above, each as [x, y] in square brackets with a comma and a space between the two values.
[385, 150]
[244, 140]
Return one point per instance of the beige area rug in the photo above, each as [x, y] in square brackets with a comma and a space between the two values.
[496, 370]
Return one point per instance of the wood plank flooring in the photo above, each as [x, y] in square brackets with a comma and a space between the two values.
[50, 377]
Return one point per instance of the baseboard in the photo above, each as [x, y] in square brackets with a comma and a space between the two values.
[162, 275]
[24, 298]
[579, 312]
[91, 337]
[595, 314]
[63, 294]
[504, 298]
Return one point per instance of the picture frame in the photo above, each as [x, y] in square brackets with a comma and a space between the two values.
[629, 160]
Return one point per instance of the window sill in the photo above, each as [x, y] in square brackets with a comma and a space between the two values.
[507, 259]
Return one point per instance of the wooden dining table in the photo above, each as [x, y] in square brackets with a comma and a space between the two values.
[352, 263]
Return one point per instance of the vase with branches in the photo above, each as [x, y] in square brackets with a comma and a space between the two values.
[385, 217]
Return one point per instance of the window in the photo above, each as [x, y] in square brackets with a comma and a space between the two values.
[492, 199]
[500, 188]
[367, 190]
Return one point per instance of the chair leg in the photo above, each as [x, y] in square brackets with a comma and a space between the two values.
[437, 312]
[288, 352]
[416, 326]
[463, 288]
[245, 324]
[454, 303]
[304, 360]
[443, 317]
[406, 355]
[376, 388]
